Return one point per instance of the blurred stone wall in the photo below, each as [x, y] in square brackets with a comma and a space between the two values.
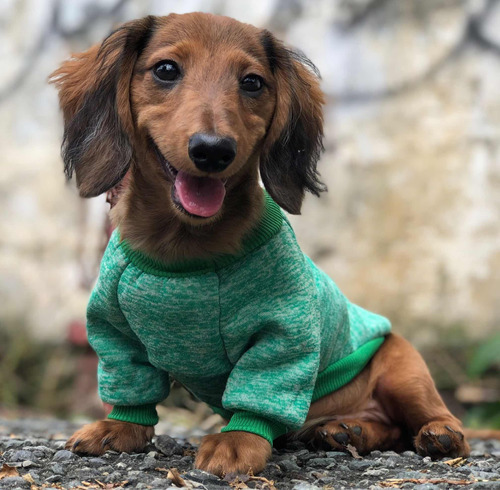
[411, 224]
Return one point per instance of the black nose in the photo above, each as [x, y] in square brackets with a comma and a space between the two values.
[211, 153]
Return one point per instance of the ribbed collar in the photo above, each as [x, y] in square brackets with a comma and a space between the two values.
[269, 225]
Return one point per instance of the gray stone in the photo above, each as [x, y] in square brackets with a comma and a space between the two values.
[390, 454]
[17, 455]
[213, 486]
[376, 472]
[305, 486]
[148, 464]
[86, 473]
[161, 483]
[36, 477]
[362, 484]
[201, 476]
[412, 474]
[362, 464]
[64, 455]
[53, 479]
[337, 454]
[319, 462]
[289, 465]
[14, 482]
[12, 444]
[483, 475]
[425, 486]
[116, 476]
[486, 485]
[168, 446]
[42, 451]
[57, 468]
[410, 454]
[477, 453]
[96, 462]
[134, 476]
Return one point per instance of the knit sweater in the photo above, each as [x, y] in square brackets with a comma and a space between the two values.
[258, 336]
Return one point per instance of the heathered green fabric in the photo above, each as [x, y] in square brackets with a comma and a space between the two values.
[257, 336]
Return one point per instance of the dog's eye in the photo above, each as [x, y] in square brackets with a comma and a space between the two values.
[166, 71]
[252, 83]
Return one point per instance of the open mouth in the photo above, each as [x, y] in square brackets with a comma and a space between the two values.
[201, 197]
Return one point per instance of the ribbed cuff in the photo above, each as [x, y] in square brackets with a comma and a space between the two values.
[251, 422]
[141, 414]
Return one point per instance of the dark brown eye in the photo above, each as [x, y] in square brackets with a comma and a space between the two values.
[166, 71]
[252, 83]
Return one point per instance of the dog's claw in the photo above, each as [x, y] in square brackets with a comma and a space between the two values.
[459, 434]
[344, 426]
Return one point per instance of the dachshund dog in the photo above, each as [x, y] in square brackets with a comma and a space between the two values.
[195, 109]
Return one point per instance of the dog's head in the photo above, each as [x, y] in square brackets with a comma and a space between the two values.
[196, 102]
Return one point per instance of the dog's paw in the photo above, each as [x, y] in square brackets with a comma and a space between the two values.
[439, 439]
[338, 434]
[233, 452]
[364, 436]
[97, 438]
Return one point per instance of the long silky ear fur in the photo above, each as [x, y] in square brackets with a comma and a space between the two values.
[94, 97]
[294, 142]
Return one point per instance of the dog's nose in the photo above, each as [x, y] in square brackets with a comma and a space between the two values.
[211, 153]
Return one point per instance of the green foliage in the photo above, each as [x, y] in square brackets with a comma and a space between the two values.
[485, 358]
[484, 415]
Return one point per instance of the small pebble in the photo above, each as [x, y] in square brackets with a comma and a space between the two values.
[168, 446]
[14, 482]
[64, 455]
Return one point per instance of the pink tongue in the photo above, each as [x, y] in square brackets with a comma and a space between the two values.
[201, 196]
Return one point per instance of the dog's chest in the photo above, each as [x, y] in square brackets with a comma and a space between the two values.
[178, 322]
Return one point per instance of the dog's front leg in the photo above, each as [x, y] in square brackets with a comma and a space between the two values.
[99, 437]
[233, 452]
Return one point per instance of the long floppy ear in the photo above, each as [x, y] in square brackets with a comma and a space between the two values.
[94, 97]
[294, 140]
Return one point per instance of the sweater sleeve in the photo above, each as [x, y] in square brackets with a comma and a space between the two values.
[270, 388]
[271, 384]
[126, 378]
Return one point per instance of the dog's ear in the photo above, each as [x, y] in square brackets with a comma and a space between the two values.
[94, 96]
[294, 139]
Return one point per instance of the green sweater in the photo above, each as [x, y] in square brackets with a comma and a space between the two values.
[258, 336]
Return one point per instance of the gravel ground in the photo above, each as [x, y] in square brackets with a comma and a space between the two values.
[32, 456]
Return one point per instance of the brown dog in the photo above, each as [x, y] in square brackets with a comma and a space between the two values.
[185, 97]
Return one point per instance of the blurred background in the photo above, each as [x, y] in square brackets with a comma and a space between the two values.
[410, 227]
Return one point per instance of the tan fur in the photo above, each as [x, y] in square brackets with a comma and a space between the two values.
[99, 437]
[393, 400]
[233, 452]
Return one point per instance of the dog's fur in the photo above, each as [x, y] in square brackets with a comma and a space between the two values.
[119, 120]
